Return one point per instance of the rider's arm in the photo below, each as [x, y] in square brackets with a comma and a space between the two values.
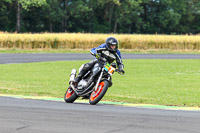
[119, 61]
[95, 51]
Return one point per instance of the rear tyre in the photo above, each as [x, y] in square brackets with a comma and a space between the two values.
[70, 96]
[97, 95]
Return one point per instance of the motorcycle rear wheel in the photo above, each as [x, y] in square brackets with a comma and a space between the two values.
[70, 96]
[97, 95]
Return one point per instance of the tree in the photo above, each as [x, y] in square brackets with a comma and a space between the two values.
[54, 12]
[189, 22]
[127, 16]
[118, 16]
[25, 4]
[79, 11]
[101, 16]
[3, 17]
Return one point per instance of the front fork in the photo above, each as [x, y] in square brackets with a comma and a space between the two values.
[99, 79]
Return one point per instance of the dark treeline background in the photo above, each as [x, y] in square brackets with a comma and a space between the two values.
[101, 16]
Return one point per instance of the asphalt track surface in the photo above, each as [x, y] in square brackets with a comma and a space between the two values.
[26, 58]
[38, 116]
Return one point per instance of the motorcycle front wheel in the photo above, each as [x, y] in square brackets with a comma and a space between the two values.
[97, 95]
[70, 96]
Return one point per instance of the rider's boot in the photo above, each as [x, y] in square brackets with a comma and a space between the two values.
[79, 77]
[84, 70]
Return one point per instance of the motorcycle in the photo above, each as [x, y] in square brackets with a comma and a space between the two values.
[97, 89]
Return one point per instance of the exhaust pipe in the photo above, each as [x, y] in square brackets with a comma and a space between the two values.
[72, 76]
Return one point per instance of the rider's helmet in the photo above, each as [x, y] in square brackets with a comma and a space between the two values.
[112, 41]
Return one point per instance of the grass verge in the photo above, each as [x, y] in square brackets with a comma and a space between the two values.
[133, 51]
[164, 82]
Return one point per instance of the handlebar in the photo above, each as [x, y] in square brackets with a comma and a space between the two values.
[104, 62]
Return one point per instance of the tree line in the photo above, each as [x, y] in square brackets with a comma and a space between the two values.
[101, 16]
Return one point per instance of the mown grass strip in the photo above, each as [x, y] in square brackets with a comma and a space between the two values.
[162, 82]
[133, 51]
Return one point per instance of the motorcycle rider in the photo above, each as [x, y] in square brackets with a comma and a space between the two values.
[110, 49]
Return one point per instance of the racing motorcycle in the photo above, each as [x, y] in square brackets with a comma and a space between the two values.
[97, 89]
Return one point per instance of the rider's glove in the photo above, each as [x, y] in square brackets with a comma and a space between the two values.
[97, 56]
[120, 68]
[121, 71]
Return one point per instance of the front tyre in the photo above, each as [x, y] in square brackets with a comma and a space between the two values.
[97, 95]
[70, 96]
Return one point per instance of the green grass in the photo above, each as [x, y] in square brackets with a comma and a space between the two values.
[164, 82]
[87, 51]
[42, 51]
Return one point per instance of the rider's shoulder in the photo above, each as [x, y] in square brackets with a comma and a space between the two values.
[118, 52]
[103, 45]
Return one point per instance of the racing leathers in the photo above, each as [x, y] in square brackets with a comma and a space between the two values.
[101, 53]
